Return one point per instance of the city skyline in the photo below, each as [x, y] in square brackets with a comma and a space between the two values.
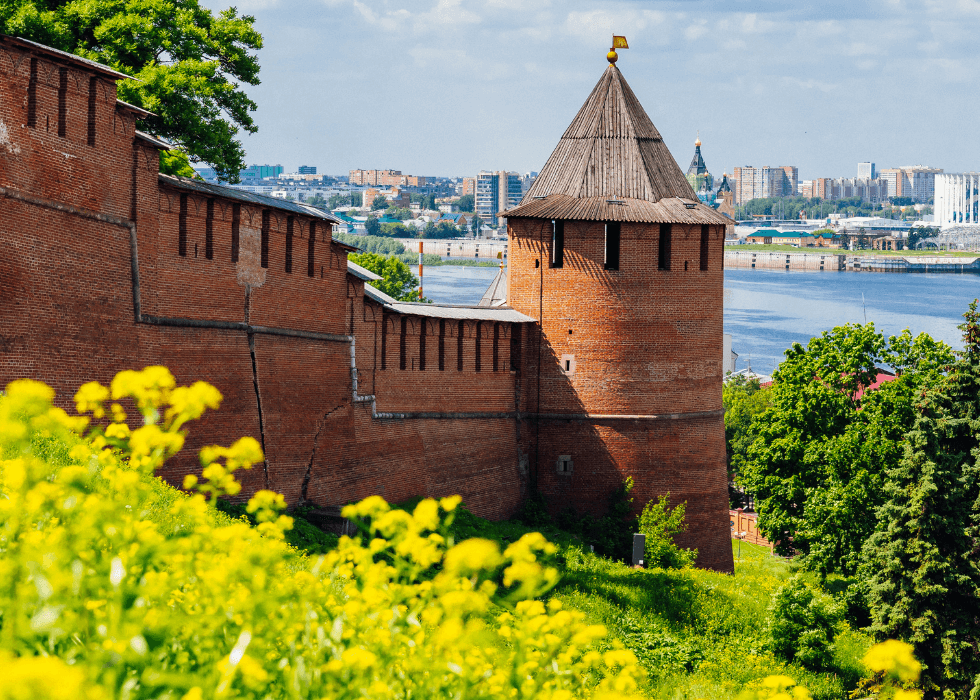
[451, 87]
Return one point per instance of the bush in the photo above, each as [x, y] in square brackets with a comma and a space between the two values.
[802, 625]
[660, 524]
[114, 585]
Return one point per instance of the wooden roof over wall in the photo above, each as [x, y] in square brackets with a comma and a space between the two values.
[612, 151]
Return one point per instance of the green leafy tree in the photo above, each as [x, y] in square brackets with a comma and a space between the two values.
[372, 226]
[379, 202]
[397, 278]
[476, 223]
[187, 62]
[174, 162]
[817, 468]
[923, 558]
[440, 229]
[744, 400]
[372, 244]
[466, 203]
[398, 231]
[802, 625]
[317, 200]
[661, 523]
[400, 213]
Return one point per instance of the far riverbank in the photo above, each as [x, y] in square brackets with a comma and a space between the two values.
[749, 257]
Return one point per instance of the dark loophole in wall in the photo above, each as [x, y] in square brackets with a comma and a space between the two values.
[612, 246]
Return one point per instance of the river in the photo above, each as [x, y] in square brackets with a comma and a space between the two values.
[766, 311]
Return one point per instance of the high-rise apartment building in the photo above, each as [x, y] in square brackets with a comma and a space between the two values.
[866, 171]
[307, 170]
[917, 182]
[756, 183]
[468, 186]
[496, 192]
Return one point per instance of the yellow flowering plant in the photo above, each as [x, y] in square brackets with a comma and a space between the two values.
[113, 586]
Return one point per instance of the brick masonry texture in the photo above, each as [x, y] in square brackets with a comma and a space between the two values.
[108, 267]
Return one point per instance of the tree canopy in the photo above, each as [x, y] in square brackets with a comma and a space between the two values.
[397, 278]
[818, 466]
[466, 202]
[188, 64]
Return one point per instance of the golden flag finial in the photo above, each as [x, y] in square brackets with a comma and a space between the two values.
[618, 42]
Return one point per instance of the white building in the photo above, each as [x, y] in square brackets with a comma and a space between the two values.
[957, 201]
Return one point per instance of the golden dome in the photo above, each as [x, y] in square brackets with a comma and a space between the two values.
[698, 143]
[612, 56]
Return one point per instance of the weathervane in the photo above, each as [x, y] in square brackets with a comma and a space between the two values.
[618, 42]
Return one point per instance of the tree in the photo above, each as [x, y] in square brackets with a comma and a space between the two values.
[466, 202]
[398, 231]
[476, 223]
[372, 226]
[817, 468]
[188, 64]
[400, 213]
[397, 278]
[802, 625]
[744, 400]
[922, 559]
[661, 523]
[379, 202]
[440, 229]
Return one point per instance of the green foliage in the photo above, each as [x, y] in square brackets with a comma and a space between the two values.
[372, 244]
[398, 231]
[922, 560]
[466, 203]
[918, 233]
[379, 202]
[802, 625]
[476, 223]
[397, 279]
[817, 468]
[661, 523]
[176, 162]
[744, 401]
[372, 226]
[187, 62]
[304, 536]
[400, 213]
[441, 229]
[317, 200]
[337, 201]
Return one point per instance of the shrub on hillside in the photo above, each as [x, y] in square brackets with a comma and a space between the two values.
[661, 523]
[802, 625]
[114, 585]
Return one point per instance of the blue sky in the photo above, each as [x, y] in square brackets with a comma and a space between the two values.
[450, 87]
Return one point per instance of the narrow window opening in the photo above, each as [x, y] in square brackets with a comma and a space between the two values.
[537, 263]
[557, 243]
[321, 271]
[402, 349]
[496, 346]
[182, 227]
[568, 365]
[442, 344]
[685, 266]
[705, 247]
[663, 247]
[459, 346]
[479, 340]
[236, 220]
[93, 88]
[311, 244]
[289, 245]
[209, 232]
[564, 464]
[266, 224]
[195, 250]
[384, 342]
[612, 246]
[62, 101]
[422, 346]
[515, 346]
[32, 96]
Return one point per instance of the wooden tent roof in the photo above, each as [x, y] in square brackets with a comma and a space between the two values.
[612, 151]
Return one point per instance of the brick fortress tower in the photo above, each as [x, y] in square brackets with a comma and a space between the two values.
[621, 265]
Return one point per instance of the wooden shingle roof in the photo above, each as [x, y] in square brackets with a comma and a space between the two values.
[612, 151]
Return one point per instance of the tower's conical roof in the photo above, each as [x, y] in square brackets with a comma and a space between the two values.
[612, 164]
